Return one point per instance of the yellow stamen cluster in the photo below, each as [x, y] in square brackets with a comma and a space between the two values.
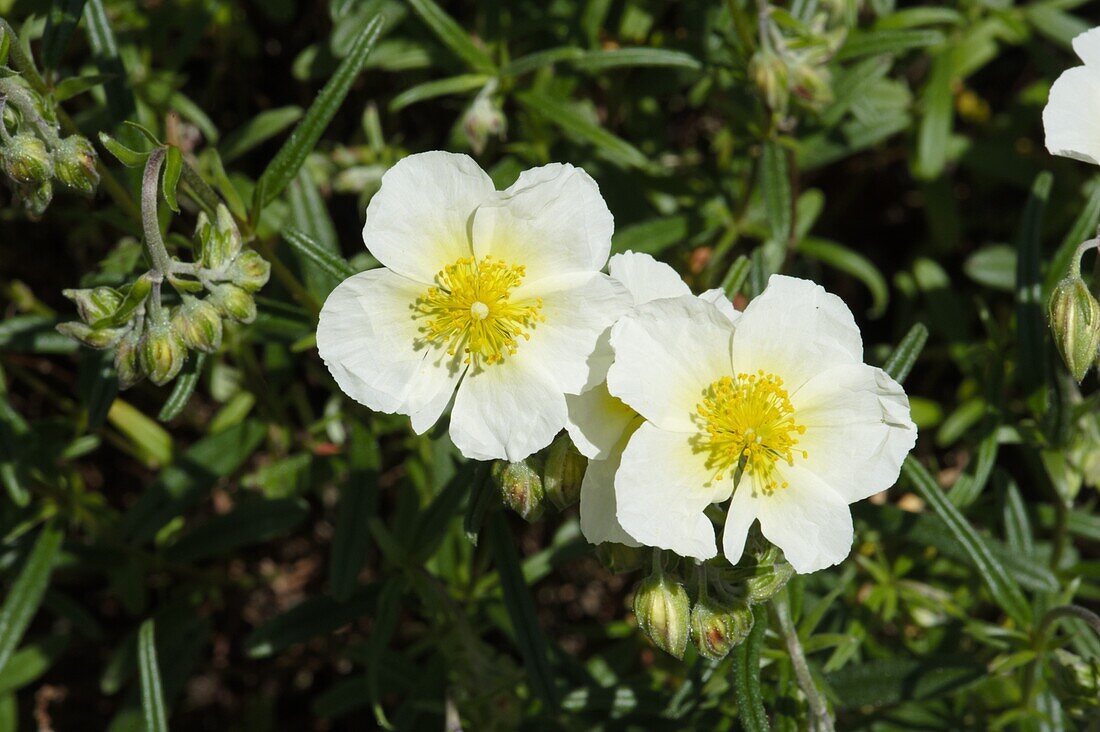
[471, 309]
[749, 418]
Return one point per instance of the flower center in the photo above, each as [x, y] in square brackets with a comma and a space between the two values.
[749, 418]
[471, 308]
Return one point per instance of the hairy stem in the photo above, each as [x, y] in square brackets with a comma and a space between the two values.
[820, 720]
[150, 186]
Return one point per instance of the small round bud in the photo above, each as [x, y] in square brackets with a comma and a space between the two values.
[127, 361]
[1075, 679]
[250, 271]
[233, 302]
[620, 558]
[219, 241]
[772, 575]
[92, 337]
[1075, 321]
[769, 72]
[563, 472]
[810, 84]
[199, 324]
[95, 303]
[37, 199]
[27, 161]
[520, 487]
[74, 162]
[716, 627]
[162, 353]
[664, 613]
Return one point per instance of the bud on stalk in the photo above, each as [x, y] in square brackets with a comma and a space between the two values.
[27, 161]
[162, 353]
[775, 572]
[620, 558]
[74, 161]
[563, 473]
[95, 303]
[199, 324]
[92, 337]
[250, 271]
[220, 241]
[127, 361]
[664, 612]
[233, 302]
[520, 487]
[1075, 322]
[716, 627]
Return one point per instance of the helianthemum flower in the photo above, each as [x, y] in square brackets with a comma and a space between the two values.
[778, 404]
[492, 298]
[1072, 115]
[600, 424]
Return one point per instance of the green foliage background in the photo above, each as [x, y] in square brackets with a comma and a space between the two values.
[307, 564]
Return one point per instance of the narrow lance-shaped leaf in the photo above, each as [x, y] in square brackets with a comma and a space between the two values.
[358, 499]
[120, 98]
[284, 166]
[1030, 319]
[1001, 586]
[935, 125]
[309, 215]
[451, 34]
[26, 593]
[776, 188]
[905, 355]
[184, 388]
[1084, 227]
[170, 178]
[846, 260]
[152, 695]
[61, 21]
[579, 127]
[325, 260]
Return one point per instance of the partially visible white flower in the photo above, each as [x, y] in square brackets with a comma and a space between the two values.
[782, 395]
[1071, 118]
[491, 299]
[600, 424]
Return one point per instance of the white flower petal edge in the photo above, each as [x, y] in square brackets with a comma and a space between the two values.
[645, 278]
[1071, 118]
[367, 338]
[599, 516]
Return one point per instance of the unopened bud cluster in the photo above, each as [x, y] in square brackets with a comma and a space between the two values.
[553, 475]
[152, 339]
[35, 159]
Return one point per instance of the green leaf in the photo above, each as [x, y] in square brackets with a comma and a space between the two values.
[1030, 318]
[583, 130]
[451, 34]
[993, 266]
[736, 276]
[1001, 585]
[901, 361]
[257, 130]
[385, 620]
[894, 42]
[184, 388]
[775, 182]
[313, 617]
[253, 521]
[76, 85]
[173, 166]
[30, 662]
[358, 503]
[326, 261]
[521, 611]
[652, 236]
[309, 215]
[150, 441]
[284, 166]
[746, 675]
[635, 57]
[1084, 227]
[120, 97]
[893, 680]
[846, 260]
[152, 695]
[933, 138]
[26, 592]
[61, 21]
[5, 44]
[541, 59]
[481, 498]
[126, 156]
[438, 88]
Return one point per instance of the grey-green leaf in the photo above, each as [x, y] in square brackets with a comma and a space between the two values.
[26, 592]
[152, 694]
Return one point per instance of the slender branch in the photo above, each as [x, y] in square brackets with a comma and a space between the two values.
[821, 721]
[1069, 611]
[150, 187]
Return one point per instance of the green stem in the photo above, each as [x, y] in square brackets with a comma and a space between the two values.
[150, 224]
[1069, 611]
[820, 721]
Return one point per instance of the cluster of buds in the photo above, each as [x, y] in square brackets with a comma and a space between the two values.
[152, 338]
[1075, 318]
[33, 154]
[721, 616]
[553, 475]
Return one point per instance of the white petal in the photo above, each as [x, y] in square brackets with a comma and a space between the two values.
[858, 429]
[507, 410]
[742, 513]
[718, 298]
[807, 520]
[597, 421]
[369, 340]
[552, 221]
[795, 329]
[599, 519]
[661, 490]
[417, 222]
[1071, 118]
[645, 278]
[577, 309]
[667, 352]
[1087, 46]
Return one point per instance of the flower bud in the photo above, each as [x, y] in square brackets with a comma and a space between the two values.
[27, 161]
[219, 242]
[1074, 678]
[520, 487]
[199, 324]
[250, 271]
[769, 72]
[1075, 321]
[664, 612]
[233, 302]
[716, 627]
[773, 573]
[810, 84]
[162, 353]
[620, 558]
[74, 162]
[37, 199]
[96, 303]
[483, 119]
[92, 337]
[127, 361]
[563, 472]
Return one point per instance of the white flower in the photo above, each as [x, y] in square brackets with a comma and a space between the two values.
[600, 424]
[1072, 115]
[492, 298]
[784, 392]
